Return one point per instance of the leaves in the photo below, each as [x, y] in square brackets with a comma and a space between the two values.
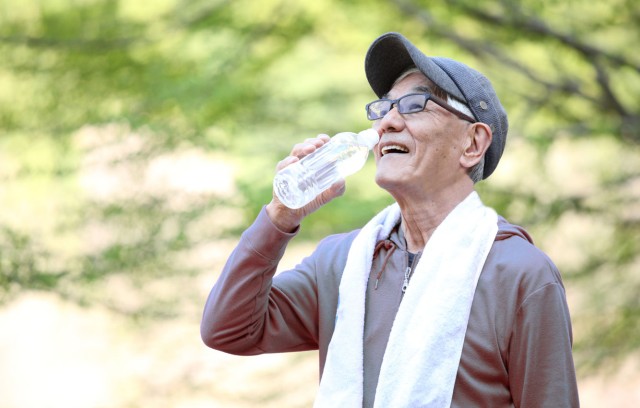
[133, 135]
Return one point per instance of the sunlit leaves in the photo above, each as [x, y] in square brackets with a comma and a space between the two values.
[117, 118]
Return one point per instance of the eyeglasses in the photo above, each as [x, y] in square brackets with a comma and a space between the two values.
[410, 103]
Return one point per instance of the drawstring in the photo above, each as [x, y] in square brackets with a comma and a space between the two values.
[390, 247]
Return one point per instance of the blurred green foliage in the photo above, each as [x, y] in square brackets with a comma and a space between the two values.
[97, 97]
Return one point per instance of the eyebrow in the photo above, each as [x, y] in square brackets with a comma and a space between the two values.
[419, 88]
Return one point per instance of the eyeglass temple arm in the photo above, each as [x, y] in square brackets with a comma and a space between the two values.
[451, 109]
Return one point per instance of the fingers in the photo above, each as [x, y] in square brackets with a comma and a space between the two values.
[309, 146]
[302, 149]
[285, 162]
[336, 190]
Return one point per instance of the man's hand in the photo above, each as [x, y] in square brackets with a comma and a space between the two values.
[284, 217]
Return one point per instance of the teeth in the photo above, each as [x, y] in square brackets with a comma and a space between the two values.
[397, 148]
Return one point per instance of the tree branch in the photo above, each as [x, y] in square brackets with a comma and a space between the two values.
[534, 25]
[484, 51]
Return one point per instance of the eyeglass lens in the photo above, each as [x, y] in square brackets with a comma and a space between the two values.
[407, 104]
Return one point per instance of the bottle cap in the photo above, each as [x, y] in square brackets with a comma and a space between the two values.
[369, 137]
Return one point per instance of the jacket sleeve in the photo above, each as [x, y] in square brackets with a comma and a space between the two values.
[248, 311]
[541, 368]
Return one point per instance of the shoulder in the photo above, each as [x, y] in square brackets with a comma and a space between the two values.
[323, 267]
[515, 267]
[514, 251]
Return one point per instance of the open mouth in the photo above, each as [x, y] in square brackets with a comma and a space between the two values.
[389, 149]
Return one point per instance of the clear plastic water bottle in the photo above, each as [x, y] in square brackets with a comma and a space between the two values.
[299, 183]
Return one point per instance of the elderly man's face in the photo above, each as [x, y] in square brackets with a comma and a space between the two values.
[418, 152]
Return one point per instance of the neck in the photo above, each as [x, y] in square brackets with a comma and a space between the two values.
[421, 217]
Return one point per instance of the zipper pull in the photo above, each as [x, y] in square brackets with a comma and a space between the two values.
[407, 273]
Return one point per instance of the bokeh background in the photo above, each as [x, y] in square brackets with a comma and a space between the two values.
[139, 138]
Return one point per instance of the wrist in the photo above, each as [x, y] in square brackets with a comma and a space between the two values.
[284, 218]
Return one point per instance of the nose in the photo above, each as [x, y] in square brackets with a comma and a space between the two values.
[393, 121]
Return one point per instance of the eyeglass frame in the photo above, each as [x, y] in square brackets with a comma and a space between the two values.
[427, 97]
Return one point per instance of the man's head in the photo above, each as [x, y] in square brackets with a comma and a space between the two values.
[391, 55]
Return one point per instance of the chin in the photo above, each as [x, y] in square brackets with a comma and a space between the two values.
[387, 181]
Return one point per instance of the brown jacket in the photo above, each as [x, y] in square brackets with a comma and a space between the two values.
[517, 349]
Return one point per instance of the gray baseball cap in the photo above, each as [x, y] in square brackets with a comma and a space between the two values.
[391, 54]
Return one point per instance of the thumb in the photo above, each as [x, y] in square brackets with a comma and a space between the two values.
[336, 190]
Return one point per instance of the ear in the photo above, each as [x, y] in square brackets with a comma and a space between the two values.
[478, 140]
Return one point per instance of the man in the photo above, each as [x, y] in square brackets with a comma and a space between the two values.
[437, 301]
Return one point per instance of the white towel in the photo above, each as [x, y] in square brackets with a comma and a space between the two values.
[423, 353]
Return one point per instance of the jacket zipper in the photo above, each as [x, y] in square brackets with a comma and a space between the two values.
[408, 271]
